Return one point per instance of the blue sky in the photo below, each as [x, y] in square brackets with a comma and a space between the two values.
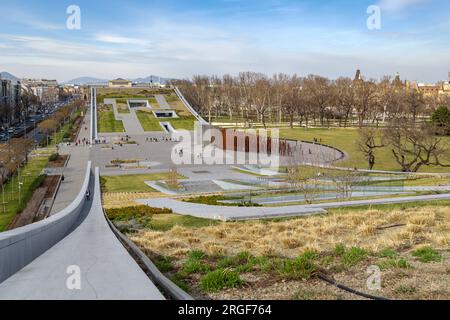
[180, 38]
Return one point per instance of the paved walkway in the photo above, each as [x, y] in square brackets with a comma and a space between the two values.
[226, 213]
[130, 120]
[75, 170]
[107, 271]
[162, 101]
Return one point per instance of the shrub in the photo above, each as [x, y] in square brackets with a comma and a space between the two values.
[220, 279]
[125, 214]
[427, 255]
[215, 201]
[54, 157]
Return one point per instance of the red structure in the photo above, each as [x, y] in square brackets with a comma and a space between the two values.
[242, 143]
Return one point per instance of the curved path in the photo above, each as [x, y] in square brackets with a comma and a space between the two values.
[107, 271]
[229, 213]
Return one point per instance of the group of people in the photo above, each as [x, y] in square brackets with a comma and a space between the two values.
[163, 139]
[82, 142]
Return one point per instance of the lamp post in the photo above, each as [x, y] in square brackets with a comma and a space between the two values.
[3, 198]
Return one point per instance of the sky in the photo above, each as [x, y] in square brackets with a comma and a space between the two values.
[182, 38]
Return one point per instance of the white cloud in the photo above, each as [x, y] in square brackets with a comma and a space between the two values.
[398, 5]
[115, 39]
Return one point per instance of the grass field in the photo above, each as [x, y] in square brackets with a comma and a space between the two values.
[183, 123]
[107, 121]
[347, 141]
[132, 183]
[28, 175]
[148, 121]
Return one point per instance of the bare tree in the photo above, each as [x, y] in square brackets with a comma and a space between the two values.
[414, 145]
[369, 141]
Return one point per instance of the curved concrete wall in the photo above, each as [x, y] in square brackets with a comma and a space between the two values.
[21, 246]
[192, 110]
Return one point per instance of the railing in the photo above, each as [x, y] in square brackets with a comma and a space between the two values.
[190, 108]
[21, 246]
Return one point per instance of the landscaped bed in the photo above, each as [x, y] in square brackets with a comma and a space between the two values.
[283, 259]
[148, 121]
[107, 122]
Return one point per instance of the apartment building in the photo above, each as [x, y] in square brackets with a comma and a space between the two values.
[47, 91]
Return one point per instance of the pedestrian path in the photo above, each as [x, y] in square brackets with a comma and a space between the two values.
[75, 169]
[226, 213]
[89, 264]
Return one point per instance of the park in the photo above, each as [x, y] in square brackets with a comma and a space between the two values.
[350, 190]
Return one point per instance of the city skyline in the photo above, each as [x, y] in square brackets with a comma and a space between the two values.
[179, 39]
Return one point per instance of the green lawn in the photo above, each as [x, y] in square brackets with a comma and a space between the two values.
[107, 122]
[148, 121]
[123, 108]
[28, 175]
[132, 183]
[347, 140]
[183, 123]
[165, 222]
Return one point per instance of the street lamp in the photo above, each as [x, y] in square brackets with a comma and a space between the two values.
[20, 187]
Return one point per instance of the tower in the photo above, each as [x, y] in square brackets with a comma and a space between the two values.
[358, 75]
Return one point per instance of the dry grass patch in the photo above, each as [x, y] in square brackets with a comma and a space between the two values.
[126, 199]
[371, 230]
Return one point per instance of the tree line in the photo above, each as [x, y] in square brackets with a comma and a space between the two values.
[312, 100]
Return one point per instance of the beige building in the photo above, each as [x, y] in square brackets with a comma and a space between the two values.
[429, 89]
[46, 90]
[120, 83]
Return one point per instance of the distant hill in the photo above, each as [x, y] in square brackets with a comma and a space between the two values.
[86, 81]
[8, 76]
[152, 78]
[92, 80]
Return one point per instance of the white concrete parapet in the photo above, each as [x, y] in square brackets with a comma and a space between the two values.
[21, 246]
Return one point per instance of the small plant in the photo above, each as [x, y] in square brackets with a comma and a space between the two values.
[177, 279]
[220, 279]
[300, 268]
[394, 264]
[225, 262]
[164, 264]
[196, 255]
[339, 250]
[404, 289]
[427, 255]
[388, 253]
[194, 266]
[354, 256]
